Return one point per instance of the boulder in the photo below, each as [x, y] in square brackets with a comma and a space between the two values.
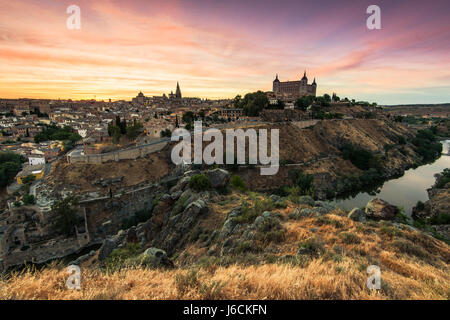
[380, 210]
[356, 214]
[218, 178]
[105, 250]
[154, 257]
[275, 198]
[132, 235]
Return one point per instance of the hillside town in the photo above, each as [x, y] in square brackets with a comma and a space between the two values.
[83, 179]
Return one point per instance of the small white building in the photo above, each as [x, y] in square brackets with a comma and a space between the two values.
[83, 132]
[35, 160]
[289, 105]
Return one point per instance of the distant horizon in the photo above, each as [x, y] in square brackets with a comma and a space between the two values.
[218, 50]
[207, 98]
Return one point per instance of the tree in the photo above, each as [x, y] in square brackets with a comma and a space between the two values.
[236, 101]
[28, 199]
[66, 214]
[28, 179]
[188, 117]
[115, 134]
[10, 164]
[166, 133]
[253, 103]
[134, 130]
[304, 102]
[53, 132]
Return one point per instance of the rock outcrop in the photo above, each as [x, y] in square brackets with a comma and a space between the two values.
[378, 209]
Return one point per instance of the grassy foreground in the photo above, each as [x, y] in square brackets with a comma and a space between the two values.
[413, 266]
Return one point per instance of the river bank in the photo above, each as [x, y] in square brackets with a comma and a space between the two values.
[404, 191]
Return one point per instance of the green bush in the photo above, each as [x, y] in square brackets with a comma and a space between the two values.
[401, 140]
[53, 132]
[125, 256]
[249, 213]
[420, 205]
[444, 179]
[199, 182]
[314, 245]
[360, 158]
[303, 181]
[349, 238]
[238, 182]
[441, 218]
[410, 248]
[10, 164]
[426, 145]
[28, 199]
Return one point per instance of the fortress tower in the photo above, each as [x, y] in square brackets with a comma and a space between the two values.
[291, 90]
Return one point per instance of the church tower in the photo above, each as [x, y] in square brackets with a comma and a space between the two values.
[276, 84]
[304, 80]
[178, 92]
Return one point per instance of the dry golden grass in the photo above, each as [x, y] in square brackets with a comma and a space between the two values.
[319, 280]
[413, 266]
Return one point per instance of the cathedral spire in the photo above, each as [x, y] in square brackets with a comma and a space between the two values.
[178, 91]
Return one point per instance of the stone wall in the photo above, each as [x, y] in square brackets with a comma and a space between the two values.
[274, 115]
[125, 154]
[104, 216]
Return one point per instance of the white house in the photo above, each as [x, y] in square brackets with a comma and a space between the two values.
[35, 160]
[82, 132]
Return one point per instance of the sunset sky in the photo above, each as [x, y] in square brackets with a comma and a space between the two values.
[218, 48]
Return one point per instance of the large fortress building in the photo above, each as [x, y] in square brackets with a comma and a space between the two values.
[291, 90]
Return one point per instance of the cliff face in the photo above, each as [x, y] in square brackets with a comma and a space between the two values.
[439, 202]
[316, 151]
[436, 211]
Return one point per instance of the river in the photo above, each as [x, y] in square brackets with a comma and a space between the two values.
[406, 190]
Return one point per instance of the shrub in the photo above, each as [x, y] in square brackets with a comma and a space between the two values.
[303, 181]
[238, 182]
[28, 179]
[327, 220]
[270, 230]
[360, 158]
[249, 213]
[408, 247]
[441, 218]
[315, 245]
[28, 199]
[10, 164]
[389, 231]
[66, 214]
[420, 205]
[426, 145]
[186, 281]
[401, 140]
[443, 179]
[349, 238]
[199, 182]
